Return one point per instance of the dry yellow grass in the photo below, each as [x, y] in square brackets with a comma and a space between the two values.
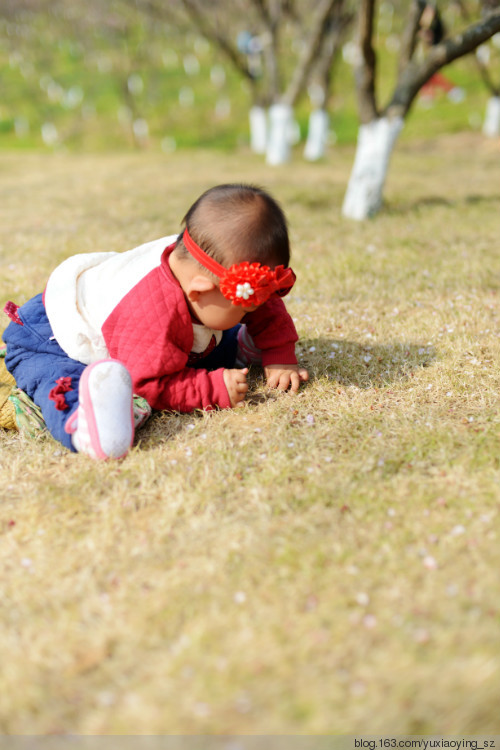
[326, 563]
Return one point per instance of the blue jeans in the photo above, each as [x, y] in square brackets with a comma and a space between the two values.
[36, 361]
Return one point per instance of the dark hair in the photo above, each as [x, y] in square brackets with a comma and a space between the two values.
[233, 223]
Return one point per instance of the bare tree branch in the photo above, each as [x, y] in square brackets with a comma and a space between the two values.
[263, 10]
[413, 77]
[331, 45]
[487, 79]
[409, 38]
[216, 36]
[365, 70]
[271, 50]
[322, 20]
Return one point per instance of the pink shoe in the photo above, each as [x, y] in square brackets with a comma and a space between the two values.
[103, 424]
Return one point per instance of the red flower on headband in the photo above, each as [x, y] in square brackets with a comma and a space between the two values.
[244, 283]
[252, 284]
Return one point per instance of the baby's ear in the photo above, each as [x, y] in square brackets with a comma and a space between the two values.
[197, 285]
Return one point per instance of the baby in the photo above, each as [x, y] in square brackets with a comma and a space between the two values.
[176, 321]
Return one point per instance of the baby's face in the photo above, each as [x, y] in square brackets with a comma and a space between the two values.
[215, 311]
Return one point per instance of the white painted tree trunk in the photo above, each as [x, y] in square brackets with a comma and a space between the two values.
[258, 129]
[317, 135]
[280, 125]
[376, 142]
[491, 125]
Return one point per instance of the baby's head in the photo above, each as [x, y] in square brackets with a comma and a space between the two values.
[230, 227]
[234, 223]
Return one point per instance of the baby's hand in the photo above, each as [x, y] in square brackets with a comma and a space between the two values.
[236, 384]
[286, 376]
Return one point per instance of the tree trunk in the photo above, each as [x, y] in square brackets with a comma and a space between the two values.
[258, 129]
[491, 125]
[376, 141]
[317, 135]
[280, 124]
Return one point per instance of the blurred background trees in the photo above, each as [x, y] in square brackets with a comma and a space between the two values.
[282, 44]
[263, 74]
[425, 46]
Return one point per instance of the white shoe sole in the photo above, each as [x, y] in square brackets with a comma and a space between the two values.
[105, 412]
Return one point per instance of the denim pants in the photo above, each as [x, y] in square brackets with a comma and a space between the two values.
[38, 364]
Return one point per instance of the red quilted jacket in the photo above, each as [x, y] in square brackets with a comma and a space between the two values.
[151, 331]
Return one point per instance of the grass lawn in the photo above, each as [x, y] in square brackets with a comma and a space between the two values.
[324, 563]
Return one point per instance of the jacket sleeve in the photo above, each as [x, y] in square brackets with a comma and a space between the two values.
[167, 384]
[152, 334]
[184, 391]
[273, 332]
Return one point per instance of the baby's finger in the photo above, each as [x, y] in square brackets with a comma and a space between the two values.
[240, 376]
[238, 398]
[273, 380]
[284, 381]
[295, 381]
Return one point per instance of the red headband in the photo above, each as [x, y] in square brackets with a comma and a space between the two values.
[244, 283]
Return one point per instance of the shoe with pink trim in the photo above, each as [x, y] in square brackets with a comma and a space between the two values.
[103, 425]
